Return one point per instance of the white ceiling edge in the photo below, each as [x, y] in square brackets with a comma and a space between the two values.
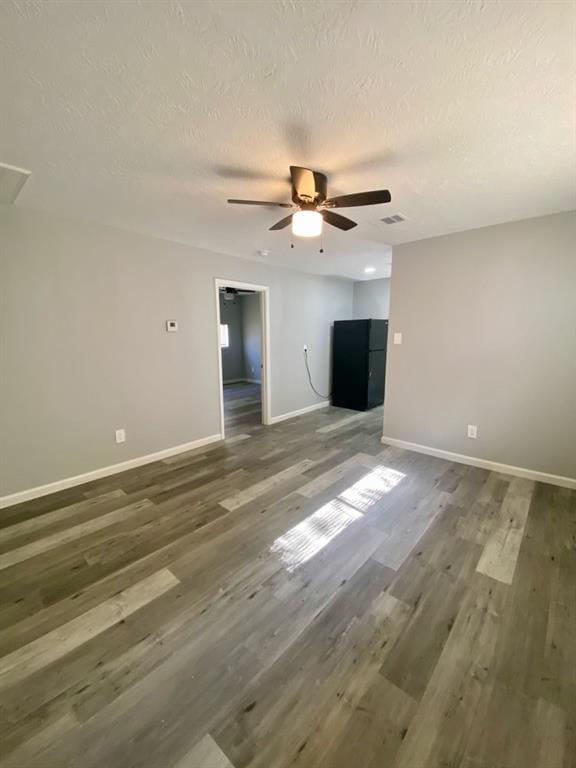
[12, 179]
[383, 272]
[65, 216]
[499, 221]
[369, 278]
[296, 260]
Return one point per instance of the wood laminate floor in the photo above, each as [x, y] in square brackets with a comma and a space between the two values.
[242, 407]
[299, 595]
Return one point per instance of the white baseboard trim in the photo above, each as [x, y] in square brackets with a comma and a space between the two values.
[95, 474]
[474, 461]
[300, 412]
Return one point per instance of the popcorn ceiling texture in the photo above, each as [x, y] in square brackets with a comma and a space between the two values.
[148, 115]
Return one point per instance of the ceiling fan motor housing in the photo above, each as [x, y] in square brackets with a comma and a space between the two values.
[308, 186]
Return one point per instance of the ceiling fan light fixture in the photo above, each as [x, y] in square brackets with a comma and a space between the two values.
[307, 224]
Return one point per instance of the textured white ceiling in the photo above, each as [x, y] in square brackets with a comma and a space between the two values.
[148, 115]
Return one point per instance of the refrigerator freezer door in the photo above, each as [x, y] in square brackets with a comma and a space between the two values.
[377, 334]
[376, 370]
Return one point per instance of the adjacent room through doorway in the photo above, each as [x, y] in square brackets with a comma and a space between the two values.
[241, 357]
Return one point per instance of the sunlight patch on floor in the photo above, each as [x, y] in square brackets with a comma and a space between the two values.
[306, 539]
[301, 543]
[371, 488]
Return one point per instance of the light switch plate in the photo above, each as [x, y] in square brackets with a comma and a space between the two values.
[472, 431]
[120, 435]
[397, 338]
[171, 326]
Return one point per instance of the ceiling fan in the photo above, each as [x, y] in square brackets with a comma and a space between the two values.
[309, 196]
[229, 294]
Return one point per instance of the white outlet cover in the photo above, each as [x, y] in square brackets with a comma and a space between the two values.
[472, 431]
[120, 435]
[171, 326]
[397, 338]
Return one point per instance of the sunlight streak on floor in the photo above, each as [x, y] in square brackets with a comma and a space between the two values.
[301, 543]
[371, 488]
[306, 539]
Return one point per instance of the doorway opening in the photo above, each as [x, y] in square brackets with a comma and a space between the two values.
[243, 355]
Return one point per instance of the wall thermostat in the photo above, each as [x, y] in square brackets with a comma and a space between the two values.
[171, 326]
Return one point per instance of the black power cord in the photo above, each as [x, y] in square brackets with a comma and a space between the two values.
[325, 397]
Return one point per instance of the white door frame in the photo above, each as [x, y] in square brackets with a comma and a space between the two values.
[264, 292]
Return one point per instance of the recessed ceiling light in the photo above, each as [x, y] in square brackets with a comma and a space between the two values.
[368, 270]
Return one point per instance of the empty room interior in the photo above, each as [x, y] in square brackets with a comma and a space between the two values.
[241, 357]
[287, 384]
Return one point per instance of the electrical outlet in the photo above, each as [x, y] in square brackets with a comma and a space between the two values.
[397, 338]
[120, 435]
[305, 347]
[472, 431]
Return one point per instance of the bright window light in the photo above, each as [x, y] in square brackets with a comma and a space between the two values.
[307, 224]
[224, 337]
[369, 270]
[299, 544]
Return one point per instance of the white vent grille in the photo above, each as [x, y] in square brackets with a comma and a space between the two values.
[395, 218]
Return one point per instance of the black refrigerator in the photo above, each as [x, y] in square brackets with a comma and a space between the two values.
[359, 363]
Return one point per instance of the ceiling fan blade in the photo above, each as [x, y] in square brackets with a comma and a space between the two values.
[338, 221]
[282, 223]
[303, 183]
[262, 202]
[360, 198]
[321, 186]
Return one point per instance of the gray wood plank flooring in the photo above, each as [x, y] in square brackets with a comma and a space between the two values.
[295, 596]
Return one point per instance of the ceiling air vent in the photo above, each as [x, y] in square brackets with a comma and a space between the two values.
[395, 218]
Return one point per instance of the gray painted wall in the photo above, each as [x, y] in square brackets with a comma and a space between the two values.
[372, 299]
[84, 349]
[233, 355]
[252, 336]
[488, 319]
